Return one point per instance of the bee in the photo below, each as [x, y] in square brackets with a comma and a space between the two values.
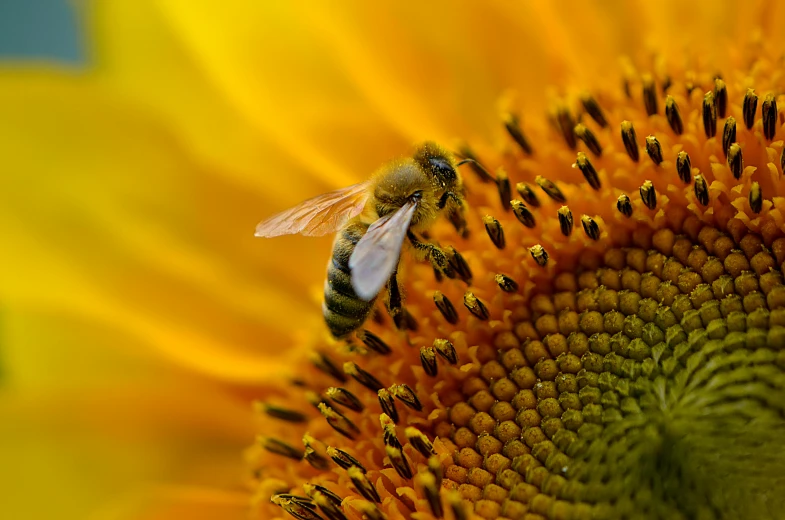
[372, 220]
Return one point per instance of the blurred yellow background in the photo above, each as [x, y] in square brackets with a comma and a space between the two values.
[138, 315]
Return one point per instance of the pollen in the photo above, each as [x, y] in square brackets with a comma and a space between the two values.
[629, 367]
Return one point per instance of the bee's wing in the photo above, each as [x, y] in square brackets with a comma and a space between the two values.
[320, 215]
[376, 254]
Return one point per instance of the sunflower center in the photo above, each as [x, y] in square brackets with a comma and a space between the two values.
[646, 386]
[632, 366]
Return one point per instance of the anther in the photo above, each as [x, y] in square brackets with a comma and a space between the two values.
[587, 169]
[329, 509]
[344, 460]
[709, 115]
[593, 109]
[446, 307]
[313, 489]
[279, 447]
[749, 107]
[701, 190]
[455, 501]
[406, 395]
[566, 125]
[503, 185]
[296, 508]
[294, 498]
[769, 113]
[624, 205]
[363, 485]
[689, 82]
[588, 138]
[362, 377]
[313, 457]
[513, 127]
[435, 468]
[283, 414]
[458, 221]
[684, 167]
[405, 321]
[387, 403]
[326, 365]
[388, 431]
[735, 161]
[368, 510]
[590, 227]
[506, 283]
[720, 97]
[419, 441]
[475, 306]
[399, 462]
[428, 361]
[539, 254]
[654, 149]
[374, 342]
[339, 422]
[432, 494]
[354, 348]
[315, 460]
[565, 220]
[474, 163]
[666, 84]
[495, 231]
[728, 134]
[648, 194]
[522, 213]
[756, 198]
[782, 161]
[459, 265]
[630, 140]
[446, 349]
[329, 503]
[673, 116]
[314, 399]
[649, 95]
[378, 317]
[297, 499]
[550, 189]
[345, 398]
[527, 194]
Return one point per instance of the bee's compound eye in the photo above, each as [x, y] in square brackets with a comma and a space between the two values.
[442, 169]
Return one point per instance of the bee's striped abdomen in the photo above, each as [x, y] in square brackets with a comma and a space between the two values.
[343, 310]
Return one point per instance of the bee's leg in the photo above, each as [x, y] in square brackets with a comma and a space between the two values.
[458, 221]
[449, 195]
[400, 316]
[433, 253]
[454, 213]
[394, 303]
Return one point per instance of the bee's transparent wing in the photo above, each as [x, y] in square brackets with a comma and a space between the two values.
[377, 253]
[320, 215]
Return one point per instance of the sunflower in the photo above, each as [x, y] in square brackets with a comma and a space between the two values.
[608, 348]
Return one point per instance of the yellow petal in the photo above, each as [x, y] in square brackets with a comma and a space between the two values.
[108, 220]
[221, 122]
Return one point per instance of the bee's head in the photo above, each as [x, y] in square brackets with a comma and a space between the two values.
[438, 163]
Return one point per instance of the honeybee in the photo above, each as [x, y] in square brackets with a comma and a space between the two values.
[372, 219]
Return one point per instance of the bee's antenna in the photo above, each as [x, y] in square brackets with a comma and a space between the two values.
[478, 168]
